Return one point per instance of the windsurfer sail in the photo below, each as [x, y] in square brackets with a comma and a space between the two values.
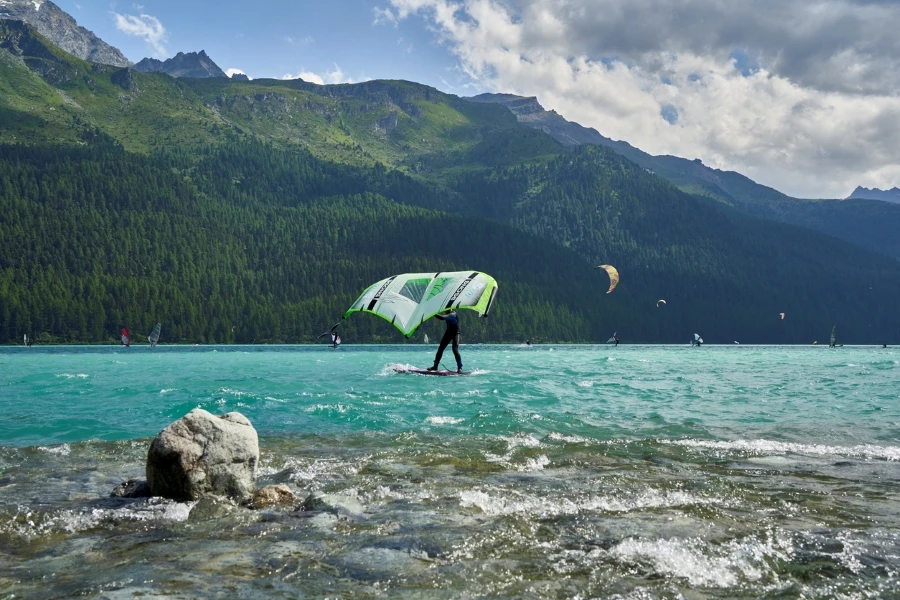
[408, 300]
[154, 337]
[125, 337]
[832, 342]
[426, 339]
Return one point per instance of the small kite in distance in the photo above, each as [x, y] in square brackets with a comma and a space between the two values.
[658, 302]
[782, 316]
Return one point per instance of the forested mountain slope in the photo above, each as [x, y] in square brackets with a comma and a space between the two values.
[865, 223]
[242, 211]
[277, 244]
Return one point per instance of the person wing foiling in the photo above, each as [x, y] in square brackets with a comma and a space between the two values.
[451, 335]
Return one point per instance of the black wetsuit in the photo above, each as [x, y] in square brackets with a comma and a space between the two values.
[451, 335]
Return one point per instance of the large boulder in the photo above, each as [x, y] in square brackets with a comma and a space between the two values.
[204, 455]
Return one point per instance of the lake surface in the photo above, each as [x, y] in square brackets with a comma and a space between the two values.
[551, 472]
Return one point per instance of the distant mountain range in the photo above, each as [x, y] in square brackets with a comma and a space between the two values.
[60, 28]
[196, 65]
[862, 193]
[862, 221]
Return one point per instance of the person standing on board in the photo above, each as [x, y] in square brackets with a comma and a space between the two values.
[450, 335]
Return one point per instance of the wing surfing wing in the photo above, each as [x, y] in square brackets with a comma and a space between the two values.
[408, 300]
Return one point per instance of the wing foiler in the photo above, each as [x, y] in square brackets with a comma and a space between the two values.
[410, 299]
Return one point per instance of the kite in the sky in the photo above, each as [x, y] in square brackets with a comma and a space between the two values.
[613, 276]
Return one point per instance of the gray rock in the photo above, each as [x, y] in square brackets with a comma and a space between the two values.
[133, 488]
[342, 506]
[60, 28]
[196, 65]
[204, 455]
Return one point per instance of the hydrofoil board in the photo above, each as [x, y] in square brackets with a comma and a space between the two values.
[415, 371]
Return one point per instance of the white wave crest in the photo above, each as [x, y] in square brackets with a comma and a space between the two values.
[767, 447]
[697, 562]
[444, 420]
[506, 504]
[61, 450]
[30, 524]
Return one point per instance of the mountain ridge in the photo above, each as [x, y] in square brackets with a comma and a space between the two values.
[62, 29]
[196, 65]
[863, 193]
[873, 224]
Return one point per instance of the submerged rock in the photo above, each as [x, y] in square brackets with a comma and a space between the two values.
[272, 495]
[211, 507]
[133, 488]
[342, 506]
[203, 455]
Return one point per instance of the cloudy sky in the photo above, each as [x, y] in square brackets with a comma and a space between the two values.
[801, 95]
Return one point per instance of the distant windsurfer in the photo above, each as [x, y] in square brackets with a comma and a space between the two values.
[450, 335]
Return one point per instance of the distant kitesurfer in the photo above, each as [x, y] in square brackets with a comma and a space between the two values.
[884, 345]
[335, 336]
[616, 338]
[450, 335]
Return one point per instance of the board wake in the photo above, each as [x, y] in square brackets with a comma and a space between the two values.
[414, 371]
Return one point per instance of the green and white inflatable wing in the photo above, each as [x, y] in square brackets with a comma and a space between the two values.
[410, 299]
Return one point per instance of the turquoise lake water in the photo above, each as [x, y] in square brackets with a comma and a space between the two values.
[550, 472]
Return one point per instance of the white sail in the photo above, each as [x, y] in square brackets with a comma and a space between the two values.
[154, 337]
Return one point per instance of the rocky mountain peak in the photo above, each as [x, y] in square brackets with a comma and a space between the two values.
[60, 28]
[196, 65]
[863, 193]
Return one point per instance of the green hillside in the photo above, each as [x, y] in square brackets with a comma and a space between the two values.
[257, 211]
[50, 96]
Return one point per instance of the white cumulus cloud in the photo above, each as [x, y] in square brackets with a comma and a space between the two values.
[233, 71]
[331, 77]
[801, 95]
[146, 27]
